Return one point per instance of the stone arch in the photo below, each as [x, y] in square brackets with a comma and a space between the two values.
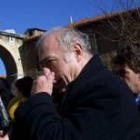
[10, 64]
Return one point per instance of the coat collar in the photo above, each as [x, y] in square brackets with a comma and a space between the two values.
[93, 67]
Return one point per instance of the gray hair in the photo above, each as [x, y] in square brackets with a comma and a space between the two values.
[67, 37]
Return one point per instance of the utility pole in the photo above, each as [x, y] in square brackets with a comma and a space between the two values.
[70, 20]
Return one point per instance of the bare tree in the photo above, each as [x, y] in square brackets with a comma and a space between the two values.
[127, 24]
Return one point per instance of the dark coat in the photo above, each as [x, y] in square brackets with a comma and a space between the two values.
[96, 106]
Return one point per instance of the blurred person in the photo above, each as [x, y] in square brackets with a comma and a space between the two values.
[6, 95]
[5, 91]
[6, 137]
[23, 86]
[127, 65]
[22, 91]
[96, 104]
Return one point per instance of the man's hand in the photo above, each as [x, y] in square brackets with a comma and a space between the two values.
[3, 137]
[44, 82]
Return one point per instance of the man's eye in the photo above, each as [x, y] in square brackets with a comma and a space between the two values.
[51, 60]
[48, 63]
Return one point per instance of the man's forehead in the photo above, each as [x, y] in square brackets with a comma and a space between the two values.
[49, 42]
[50, 38]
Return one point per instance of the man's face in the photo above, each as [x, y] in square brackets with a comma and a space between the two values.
[63, 64]
[132, 79]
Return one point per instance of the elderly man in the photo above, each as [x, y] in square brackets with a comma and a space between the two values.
[96, 104]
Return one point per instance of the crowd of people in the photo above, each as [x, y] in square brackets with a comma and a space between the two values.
[94, 103]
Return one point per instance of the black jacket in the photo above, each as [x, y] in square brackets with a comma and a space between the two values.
[96, 106]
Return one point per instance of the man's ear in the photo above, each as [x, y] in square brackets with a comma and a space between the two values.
[78, 51]
[127, 70]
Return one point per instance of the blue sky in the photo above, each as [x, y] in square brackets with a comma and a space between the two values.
[46, 14]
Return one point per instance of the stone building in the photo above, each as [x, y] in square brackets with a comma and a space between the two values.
[28, 52]
[10, 42]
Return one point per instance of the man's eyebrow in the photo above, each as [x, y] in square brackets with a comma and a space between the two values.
[44, 61]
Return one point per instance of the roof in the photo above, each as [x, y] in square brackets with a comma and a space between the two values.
[11, 34]
[87, 21]
[32, 38]
[102, 17]
[32, 29]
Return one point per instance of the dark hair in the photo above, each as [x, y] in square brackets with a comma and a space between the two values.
[128, 55]
[118, 65]
[24, 85]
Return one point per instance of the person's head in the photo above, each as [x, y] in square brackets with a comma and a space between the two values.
[65, 52]
[127, 65]
[23, 86]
